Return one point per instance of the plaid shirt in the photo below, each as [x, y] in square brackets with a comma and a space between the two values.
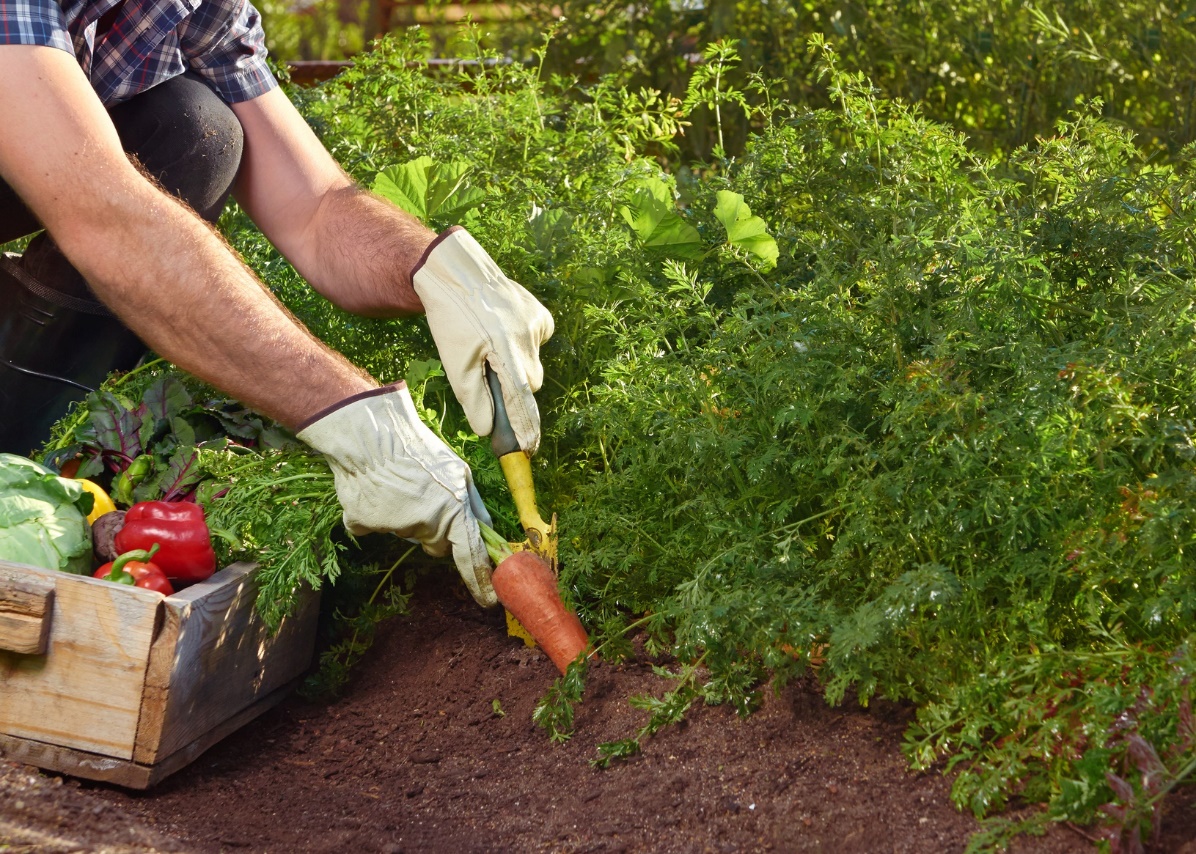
[148, 42]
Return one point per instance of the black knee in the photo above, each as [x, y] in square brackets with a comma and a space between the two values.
[187, 138]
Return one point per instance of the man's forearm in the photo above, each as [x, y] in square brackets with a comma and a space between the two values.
[152, 260]
[175, 283]
[367, 250]
[351, 246]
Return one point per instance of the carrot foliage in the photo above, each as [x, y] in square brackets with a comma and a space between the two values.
[857, 398]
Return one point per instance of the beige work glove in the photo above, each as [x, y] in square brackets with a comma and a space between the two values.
[393, 474]
[478, 315]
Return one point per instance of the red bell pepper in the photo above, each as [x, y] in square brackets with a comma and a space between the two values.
[134, 567]
[186, 553]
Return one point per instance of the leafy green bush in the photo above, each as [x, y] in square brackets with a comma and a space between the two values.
[317, 30]
[1002, 72]
[946, 444]
[860, 395]
[860, 398]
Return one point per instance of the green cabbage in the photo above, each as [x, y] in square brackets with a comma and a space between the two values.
[43, 517]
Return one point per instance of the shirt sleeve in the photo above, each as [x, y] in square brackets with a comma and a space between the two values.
[34, 22]
[224, 42]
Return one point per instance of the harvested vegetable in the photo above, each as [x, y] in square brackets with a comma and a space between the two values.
[137, 569]
[43, 517]
[139, 435]
[103, 534]
[180, 529]
[102, 504]
[527, 588]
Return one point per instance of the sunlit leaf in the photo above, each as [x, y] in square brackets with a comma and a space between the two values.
[653, 216]
[745, 231]
[430, 190]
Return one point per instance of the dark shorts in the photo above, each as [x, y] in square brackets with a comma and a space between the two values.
[181, 132]
[56, 341]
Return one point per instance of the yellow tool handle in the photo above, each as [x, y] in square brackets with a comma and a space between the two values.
[516, 465]
[517, 469]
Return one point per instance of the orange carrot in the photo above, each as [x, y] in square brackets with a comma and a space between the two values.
[527, 588]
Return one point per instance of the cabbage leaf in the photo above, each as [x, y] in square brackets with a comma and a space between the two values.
[43, 517]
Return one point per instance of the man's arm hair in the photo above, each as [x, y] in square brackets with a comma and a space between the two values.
[353, 247]
[148, 257]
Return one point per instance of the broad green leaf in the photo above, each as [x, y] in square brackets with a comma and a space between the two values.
[406, 186]
[90, 467]
[745, 231]
[653, 217]
[592, 277]
[184, 433]
[274, 438]
[113, 427]
[549, 229]
[659, 190]
[449, 194]
[164, 399]
[180, 474]
[163, 402]
[429, 190]
[421, 370]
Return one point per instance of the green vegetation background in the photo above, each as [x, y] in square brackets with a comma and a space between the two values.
[1003, 72]
[874, 357]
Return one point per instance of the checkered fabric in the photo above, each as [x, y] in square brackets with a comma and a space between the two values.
[127, 46]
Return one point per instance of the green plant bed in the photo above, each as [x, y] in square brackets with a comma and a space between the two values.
[920, 414]
[859, 396]
[1002, 72]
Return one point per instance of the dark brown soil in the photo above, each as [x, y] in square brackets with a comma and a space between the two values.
[432, 749]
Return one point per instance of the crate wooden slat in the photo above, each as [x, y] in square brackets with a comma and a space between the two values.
[216, 655]
[25, 612]
[84, 692]
[132, 775]
[131, 685]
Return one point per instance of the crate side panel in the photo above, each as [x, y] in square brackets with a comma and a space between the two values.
[226, 659]
[166, 657]
[85, 691]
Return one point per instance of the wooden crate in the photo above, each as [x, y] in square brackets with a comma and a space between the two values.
[119, 684]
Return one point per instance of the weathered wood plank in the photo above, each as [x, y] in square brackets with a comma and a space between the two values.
[76, 763]
[25, 615]
[121, 772]
[185, 756]
[133, 686]
[85, 691]
[23, 593]
[23, 634]
[224, 660]
[163, 658]
[156, 691]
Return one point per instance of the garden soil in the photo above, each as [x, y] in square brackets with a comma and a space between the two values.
[432, 748]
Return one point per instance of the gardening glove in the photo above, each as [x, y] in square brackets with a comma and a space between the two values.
[393, 474]
[478, 316]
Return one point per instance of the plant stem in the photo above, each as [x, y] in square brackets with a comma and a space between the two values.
[378, 589]
[718, 114]
[150, 364]
[497, 547]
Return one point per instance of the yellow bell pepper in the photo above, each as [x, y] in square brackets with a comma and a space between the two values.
[103, 504]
